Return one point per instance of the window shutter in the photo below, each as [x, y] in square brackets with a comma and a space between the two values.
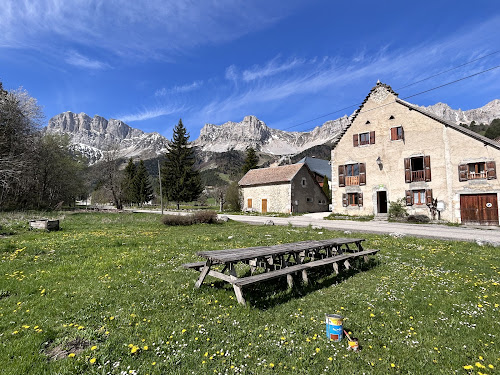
[372, 137]
[491, 170]
[403, 133]
[407, 170]
[355, 140]
[427, 168]
[409, 197]
[341, 175]
[344, 200]
[362, 173]
[394, 134]
[428, 197]
[360, 199]
[462, 172]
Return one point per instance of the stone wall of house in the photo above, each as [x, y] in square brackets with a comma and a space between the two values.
[277, 196]
[307, 195]
[447, 148]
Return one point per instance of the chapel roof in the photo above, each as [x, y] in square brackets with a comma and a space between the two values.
[271, 175]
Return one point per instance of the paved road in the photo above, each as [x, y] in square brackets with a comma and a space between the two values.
[486, 235]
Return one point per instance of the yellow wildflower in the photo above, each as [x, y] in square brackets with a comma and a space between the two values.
[92, 360]
[71, 355]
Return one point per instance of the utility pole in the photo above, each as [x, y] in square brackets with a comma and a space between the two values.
[161, 194]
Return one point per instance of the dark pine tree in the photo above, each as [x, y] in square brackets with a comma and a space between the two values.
[181, 181]
[251, 160]
[128, 183]
[142, 185]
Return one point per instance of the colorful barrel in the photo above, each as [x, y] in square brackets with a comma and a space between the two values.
[334, 328]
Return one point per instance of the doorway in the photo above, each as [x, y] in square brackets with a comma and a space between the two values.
[264, 206]
[479, 209]
[381, 202]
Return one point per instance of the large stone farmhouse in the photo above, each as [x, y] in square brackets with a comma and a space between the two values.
[287, 189]
[395, 150]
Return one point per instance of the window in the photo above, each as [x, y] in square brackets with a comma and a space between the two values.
[361, 139]
[352, 174]
[309, 200]
[352, 199]
[418, 197]
[303, 182]
[418, 169]
[477, 171]
[397, 133]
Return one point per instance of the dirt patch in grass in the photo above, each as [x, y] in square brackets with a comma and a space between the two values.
[64, 349]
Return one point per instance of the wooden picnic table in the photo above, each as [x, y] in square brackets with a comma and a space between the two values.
[277, 260]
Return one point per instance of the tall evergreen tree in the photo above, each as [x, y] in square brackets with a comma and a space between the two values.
[181, 181]
[251, 160]
[142, 185]
[128, 185]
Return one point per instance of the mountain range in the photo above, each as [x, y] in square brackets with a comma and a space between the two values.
[93, 136]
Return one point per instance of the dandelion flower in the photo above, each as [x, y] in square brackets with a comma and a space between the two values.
[393, 365]
[145, 347]
[271, 365]
[154, 363]
[93, 348]
[71, 355]
[480, 365]
[92, 360]
[468, 367]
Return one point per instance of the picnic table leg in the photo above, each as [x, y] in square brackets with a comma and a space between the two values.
[237, 290]
[336, 268]
[204, 273]
[347, 264]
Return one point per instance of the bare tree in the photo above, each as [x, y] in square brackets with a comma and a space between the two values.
[112, 176]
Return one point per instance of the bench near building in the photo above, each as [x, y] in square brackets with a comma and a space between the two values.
[396, 150]
[287, 189]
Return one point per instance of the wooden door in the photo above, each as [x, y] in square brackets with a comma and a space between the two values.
[249, 203]
[479, 209]
[264, 206]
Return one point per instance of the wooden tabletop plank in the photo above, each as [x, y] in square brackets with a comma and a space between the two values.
[232, 255]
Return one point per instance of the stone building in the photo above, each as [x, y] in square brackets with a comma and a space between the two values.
[395, 150]
[286, 189]
[319, 168]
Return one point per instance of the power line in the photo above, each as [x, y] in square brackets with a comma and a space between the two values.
[411, 84]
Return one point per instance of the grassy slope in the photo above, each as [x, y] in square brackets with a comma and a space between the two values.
[116, 281]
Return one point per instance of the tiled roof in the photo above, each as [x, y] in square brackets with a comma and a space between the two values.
[318, 166]
[265, 176]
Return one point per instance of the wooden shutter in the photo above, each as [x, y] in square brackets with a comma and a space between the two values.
[427, 168]
[362, 173]
[394, 134]
[462, 172]
[407, 170]
[372, 137]
[428, 197]
[355, 140]
[491, 170]
[409, 197]
[344, 200]
[341, 175]
[403, 134]
[360, 199]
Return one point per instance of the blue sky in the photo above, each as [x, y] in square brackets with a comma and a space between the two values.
[150, 63]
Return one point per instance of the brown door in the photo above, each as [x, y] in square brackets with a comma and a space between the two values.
[479, 209]
[249, 203]
[264, 206]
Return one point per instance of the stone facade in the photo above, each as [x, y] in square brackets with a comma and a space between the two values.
[294, 193]
[418, 162]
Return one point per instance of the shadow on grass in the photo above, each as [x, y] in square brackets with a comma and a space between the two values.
[266, 295]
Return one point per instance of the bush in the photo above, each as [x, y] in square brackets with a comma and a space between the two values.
[397, 209]
[199, 217]
[418, 219]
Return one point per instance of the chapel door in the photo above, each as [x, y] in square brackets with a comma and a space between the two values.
[264, 206]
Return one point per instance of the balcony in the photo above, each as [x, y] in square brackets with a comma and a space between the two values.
[417, 175]
[476, 175]
[351, 180]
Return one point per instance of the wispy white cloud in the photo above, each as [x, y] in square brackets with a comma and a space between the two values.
[272, 67]
[149, 113]
[179, 89]
[152, 29]
[76, 59]
[231, 73]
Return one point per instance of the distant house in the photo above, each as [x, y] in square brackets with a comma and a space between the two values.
[396, 150]
[319, 167]
[286, 189]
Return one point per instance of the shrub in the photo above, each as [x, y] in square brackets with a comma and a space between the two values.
[199, 217]
[397, 209]
[418, 219]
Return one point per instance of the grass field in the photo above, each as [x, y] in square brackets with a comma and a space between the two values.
[107, 294]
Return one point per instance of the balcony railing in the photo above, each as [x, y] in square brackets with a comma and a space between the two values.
[351, 180]
[476, 175]
[418, 175]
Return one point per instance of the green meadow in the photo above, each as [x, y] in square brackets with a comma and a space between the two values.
[107, 295]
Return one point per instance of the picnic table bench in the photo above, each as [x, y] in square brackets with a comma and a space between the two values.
[278, 260]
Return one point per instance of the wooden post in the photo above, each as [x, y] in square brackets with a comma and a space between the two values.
[237, 290]
[203, 274]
